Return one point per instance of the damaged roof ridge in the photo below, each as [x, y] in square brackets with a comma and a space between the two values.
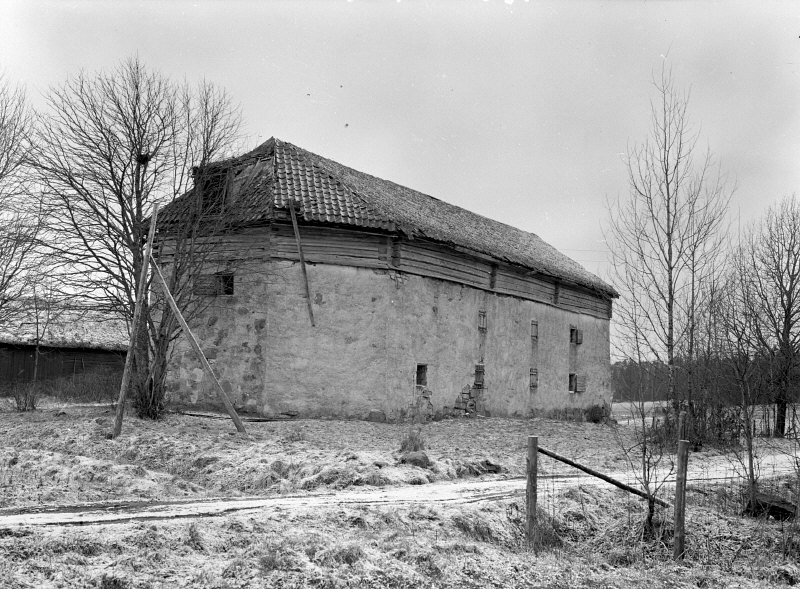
[331, 176]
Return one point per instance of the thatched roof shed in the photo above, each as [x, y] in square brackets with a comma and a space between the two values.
[67, 327]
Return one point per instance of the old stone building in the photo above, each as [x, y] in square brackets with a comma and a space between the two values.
[381, 299]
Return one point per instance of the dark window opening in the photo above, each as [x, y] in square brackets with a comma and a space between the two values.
[573, 382]
[220, 283]
[575, 335]
[212, 185]
[225, 283]
[422, 375]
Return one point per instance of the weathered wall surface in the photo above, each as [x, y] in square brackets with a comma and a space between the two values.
[373, 326]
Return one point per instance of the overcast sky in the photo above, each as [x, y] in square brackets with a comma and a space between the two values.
[520, 111]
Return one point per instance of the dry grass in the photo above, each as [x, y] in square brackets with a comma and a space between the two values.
[588, 536]
[593, 541]
[60, 454]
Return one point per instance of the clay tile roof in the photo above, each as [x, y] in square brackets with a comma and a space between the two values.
[277, 173]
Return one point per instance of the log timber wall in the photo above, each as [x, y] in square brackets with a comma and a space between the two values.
[384, 305]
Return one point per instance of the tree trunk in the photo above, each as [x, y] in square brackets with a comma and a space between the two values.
[781, 406]
[140, 387]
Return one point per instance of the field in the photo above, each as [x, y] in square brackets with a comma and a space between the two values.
[352, 515]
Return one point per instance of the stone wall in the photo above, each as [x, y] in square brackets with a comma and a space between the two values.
[373, 327]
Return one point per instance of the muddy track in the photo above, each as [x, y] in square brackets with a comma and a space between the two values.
[459, 492]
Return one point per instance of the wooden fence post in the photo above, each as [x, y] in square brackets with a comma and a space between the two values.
[530, 496]
[680, 501]
[682, 426]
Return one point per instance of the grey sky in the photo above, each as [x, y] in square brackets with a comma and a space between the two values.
[520, 111]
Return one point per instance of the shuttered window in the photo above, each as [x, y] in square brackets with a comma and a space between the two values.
[573, 382]
[580, 383]
[479, 372]
[534, 378]
[481, 320]
[534, 330]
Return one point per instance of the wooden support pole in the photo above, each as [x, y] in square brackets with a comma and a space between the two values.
[600, 475]
[137, 315]
[302, 262]
[198, 352]
[531, 491]
[679, 548]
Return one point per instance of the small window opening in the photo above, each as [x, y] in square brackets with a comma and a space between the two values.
[573, 334]
[481, 320]
[573, 382]
[225, 282]
[220, 283]
[534, 330]
[534, 378]
[422, 375]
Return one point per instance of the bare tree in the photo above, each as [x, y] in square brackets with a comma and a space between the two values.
[19, 221]
[773, 275]
[740, 351]
[110, 145]
[665, 234]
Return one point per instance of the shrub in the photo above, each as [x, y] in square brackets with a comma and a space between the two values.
[25, 394]
[413, 441]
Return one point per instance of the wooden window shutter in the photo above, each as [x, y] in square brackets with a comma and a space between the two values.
[481, 320]
[534, 378]
[534, 330]
[578, 336]
[580, 385]
[479, 372]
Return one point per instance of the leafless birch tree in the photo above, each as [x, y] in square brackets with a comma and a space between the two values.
[110, 145]
[665, 233]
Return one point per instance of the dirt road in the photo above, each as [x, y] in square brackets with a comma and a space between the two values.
[444, 492]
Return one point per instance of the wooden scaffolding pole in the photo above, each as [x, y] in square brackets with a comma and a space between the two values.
[198, 352]
[137, 315]
[302, 262]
